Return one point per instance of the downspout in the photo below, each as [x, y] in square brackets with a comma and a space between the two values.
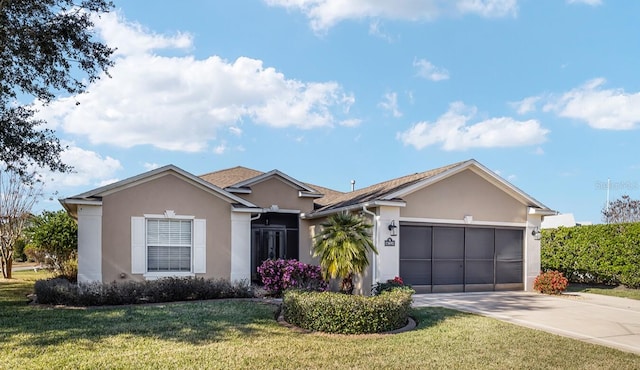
[374, 263]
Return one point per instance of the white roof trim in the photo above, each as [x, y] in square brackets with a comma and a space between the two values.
[302, 194]
[376, 203]
[543, 212]
[270, 174]
[80, 202]
[157, 173]
[472, 163]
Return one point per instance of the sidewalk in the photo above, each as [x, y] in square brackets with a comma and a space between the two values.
[593, 318]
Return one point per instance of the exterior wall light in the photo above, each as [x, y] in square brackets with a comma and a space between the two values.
[393, 228]
[537, 234]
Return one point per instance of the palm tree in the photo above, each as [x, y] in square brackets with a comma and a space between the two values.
[343, 245]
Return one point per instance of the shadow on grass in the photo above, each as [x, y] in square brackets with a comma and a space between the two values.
[432, 316]
[192, 322]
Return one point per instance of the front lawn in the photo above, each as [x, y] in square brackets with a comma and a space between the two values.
[244, 334]
[619, 291]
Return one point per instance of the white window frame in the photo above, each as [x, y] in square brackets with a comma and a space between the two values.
[139, 247]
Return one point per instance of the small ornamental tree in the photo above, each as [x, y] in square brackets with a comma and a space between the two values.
[342, 246]
[55, 234]
[17, 198]
[622, 210]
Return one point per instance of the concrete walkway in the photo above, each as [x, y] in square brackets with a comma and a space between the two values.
[593, 318]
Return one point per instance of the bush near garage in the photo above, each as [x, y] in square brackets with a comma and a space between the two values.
[389, 285]
[63, 292]
[550, 282]
[594, 254]
[340, 313]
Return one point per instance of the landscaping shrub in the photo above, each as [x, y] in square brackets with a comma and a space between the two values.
[61, 291]
[280, 275]
[550, 282]
[594, 254]
[331, 312]
[389, 285]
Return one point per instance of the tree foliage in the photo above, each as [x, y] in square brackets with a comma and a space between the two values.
[17, 198]
[622, 210]
[47, 48]
[343, 245]
[56, 235]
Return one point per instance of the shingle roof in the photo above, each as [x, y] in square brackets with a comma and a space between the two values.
[377, 191]
[230, 176]
[332, 199]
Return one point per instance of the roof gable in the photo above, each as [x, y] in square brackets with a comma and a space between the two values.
[98, 193]
[394, 190]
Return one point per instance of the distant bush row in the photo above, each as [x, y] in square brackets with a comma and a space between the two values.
[594, 254]
[347, 314]
[61, 291]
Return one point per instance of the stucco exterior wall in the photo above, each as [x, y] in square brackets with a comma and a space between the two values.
[462, 194]
[155, 197]
[274, 191]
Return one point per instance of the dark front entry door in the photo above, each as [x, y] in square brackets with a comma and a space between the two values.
[268, 244]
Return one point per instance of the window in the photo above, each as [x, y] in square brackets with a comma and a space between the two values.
[169, 245]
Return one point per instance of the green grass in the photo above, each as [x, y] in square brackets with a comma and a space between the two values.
[618, 291]
[243, 334]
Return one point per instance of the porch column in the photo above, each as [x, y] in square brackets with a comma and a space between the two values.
[240, 246]
[89, 243]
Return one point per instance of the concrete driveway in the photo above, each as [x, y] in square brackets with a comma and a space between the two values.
[608, 321]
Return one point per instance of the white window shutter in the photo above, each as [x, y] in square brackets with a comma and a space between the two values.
[199, 246]
[138, 255]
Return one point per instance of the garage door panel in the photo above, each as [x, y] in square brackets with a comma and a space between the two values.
[478, 272]
[509, 244]
[416, 272]
[447, 272]
[448, 243]
[416, 242]
[508, 272]
[479, 243]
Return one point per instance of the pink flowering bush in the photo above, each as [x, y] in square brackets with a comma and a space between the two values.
[280, 275]
[550, 282]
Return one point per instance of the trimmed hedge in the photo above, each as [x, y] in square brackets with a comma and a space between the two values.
[594, 254]
[61, 291]
[339, 313]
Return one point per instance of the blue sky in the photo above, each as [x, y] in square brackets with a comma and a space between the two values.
[547, 94]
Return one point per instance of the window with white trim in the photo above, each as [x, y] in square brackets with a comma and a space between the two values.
[169, 244]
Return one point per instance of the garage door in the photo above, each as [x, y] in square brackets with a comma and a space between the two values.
[461, 259]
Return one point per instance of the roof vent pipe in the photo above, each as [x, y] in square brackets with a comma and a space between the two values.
[353, 185]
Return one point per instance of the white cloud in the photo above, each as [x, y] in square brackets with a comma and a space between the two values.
[180, 103]
[375, 29]
[429, 71]
[323, 14]
[587, 2]
[453, 131]
[611, 109]
[237, 131]
[133, 38]
[351, 122]
[150, 166]
[107, 182]
[220, 149]
[526, 105]
[89, 168]
[390, 103]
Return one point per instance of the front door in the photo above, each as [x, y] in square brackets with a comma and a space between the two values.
[269, 243]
